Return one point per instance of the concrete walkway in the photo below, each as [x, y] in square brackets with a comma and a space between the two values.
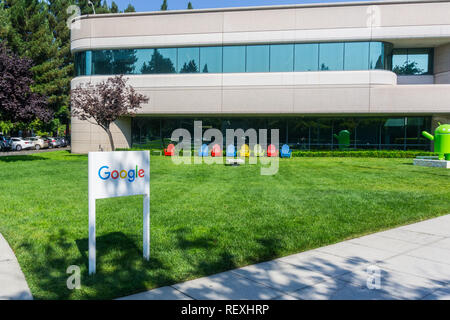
[410, 262]
[12, 281]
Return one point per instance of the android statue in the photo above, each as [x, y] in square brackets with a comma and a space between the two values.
[343, 139]
[441, 140]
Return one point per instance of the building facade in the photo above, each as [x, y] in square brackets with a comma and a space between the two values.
[380, 70]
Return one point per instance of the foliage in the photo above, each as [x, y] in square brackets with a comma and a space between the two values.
[38, 30]
[5, 126]
[408, 68]
[106, 102]
[189, 67]
[189, 6]
[364, 153]
[17, 101]
[164, 6]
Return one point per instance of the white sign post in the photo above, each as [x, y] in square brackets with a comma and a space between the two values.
[117, 174]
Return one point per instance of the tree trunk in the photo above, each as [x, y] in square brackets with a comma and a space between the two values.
[111, 141]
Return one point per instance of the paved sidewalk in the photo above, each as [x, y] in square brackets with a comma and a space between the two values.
[413, 262]
[12, 281]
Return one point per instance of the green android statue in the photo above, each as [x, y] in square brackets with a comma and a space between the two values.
[343, 139]
[441, 140]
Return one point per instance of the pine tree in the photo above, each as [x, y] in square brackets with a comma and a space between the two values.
[190, 6]
[130, 8]
[31, 36]
[114, 8]
[164, 6]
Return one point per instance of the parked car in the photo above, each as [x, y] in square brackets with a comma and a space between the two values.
[63, 142]
[20, 143]
[5, 143]
[53, 142]
[38, 142]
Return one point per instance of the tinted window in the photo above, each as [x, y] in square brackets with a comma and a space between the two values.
[234, 59]
[211, 59]
[163, 61]
[331, 56]
[306, 57]
[356, 56]
[411, 61]
[376, 59]
[281, 57]
[258, 58]
[188, 60]
[143, 61]
[418, 61]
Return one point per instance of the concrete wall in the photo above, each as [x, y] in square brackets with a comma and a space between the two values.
[303, 93]
[442, 64]
[384, 20]
[425, 79]
[88, 137]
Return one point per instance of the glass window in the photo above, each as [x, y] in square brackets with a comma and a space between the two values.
[281, 57]
[255, 58]
[80, 63]
[123, 61]
[376, 59]
[331, 56]
[418, 61]
[306, 57]
[393, 132]
[356, 56]
[211, 59]
[258, 58]
[162, 61]
[399, 60]
[88, 70]
[411, 61]
[188, 60]
[143, 61]
[102, 62]
[234, 59]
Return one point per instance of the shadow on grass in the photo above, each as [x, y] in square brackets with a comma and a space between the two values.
[13, 158]
[121, 269]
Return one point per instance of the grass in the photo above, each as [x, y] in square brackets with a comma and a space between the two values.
[204, 218]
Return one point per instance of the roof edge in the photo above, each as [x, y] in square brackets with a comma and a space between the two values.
[256, 8]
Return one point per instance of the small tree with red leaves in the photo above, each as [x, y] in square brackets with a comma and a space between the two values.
[105, 102]
[17, 101]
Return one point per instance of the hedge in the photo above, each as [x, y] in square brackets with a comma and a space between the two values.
[364, 153]
[338, 153]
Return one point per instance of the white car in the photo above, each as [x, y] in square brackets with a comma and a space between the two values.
[38, 142]
[19, 144]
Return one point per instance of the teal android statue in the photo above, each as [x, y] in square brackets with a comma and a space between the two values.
[441, 140]
[343, 139]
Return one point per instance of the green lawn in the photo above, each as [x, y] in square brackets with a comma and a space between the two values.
[204, 218]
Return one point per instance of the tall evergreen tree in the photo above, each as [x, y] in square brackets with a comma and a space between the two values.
[190, 6]
[31, 36]
[38, 30]
[164, 6]
[114, 8]
[130, 8]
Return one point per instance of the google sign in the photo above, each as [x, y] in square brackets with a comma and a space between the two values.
[104, 173]
[117, 174]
